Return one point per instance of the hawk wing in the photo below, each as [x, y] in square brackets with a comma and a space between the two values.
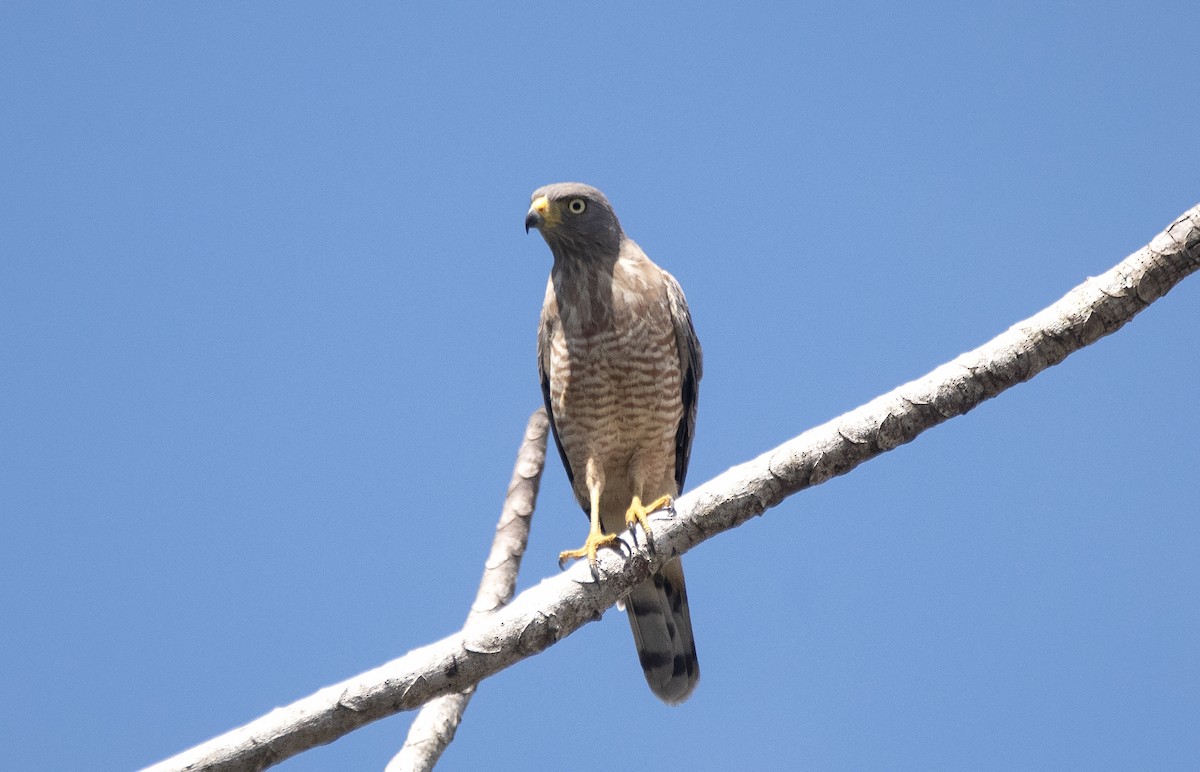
[691, 365]
[546, 328]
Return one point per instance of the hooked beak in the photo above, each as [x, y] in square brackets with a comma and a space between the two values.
[536, 216]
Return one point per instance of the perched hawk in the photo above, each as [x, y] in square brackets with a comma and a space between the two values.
[620, 369]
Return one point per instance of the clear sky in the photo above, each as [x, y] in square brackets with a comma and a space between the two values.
[267, 320]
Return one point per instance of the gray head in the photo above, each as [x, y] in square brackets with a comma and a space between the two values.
[576, 220]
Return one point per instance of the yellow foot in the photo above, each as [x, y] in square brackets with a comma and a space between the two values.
[595, 541]
[636, 515]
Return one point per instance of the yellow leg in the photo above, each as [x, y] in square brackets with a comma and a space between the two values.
[636, 515]
[595, 538]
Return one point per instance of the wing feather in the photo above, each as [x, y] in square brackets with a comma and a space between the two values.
[546, 329]
[691, 363]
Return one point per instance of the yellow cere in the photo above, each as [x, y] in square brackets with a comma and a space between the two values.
[550, 214]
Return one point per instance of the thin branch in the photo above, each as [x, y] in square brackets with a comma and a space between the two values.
[548, 612]
[433, 728]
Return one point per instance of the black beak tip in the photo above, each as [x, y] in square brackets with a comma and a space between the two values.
[532, 220]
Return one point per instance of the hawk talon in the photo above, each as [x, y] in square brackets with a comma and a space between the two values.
[637, 515]
[595, 540]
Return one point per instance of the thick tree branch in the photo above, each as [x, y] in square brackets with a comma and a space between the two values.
[433, 728]
[543, 615]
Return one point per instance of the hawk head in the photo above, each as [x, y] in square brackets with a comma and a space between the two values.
[576, 221]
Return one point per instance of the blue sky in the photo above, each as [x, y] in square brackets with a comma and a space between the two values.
[267, 321]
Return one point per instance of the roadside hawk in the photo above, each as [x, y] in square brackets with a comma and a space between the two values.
[620, 367]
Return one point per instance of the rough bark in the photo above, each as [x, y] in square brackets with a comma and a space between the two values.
[434, 727]
[546, 613]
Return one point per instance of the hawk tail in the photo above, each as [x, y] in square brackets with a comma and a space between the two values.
[662, 632]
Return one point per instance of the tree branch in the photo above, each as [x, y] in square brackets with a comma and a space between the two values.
[433, 728]
[548, 612]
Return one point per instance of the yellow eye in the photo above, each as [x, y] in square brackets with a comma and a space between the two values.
[577, 206]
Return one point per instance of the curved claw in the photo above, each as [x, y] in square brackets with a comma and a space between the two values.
[637, 515]
[595, 541]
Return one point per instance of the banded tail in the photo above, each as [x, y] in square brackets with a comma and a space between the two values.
[662, 631]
